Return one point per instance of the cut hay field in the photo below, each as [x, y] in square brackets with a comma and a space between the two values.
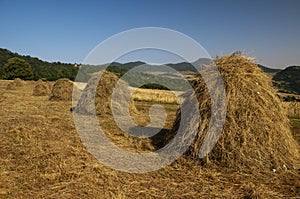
[41, 156]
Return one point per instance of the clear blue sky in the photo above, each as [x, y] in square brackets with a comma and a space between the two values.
[67, 31]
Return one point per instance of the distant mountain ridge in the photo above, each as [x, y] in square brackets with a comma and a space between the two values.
[286, 80]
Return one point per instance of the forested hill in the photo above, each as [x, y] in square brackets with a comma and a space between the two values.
[288, 80]
[42, 69]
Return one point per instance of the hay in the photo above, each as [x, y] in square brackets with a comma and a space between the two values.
[100, 102]
[19, 82]
[103, 94]
[292, 108]
[11, 86]
[41, 89]
[256, 134]
[14, 84]
[62, 90]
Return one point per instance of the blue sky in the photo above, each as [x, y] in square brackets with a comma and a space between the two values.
[67, 31]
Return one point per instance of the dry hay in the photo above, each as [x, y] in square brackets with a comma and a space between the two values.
[14, 84]
[62, 90]
[19, 82]
[99, 103]
[102, 99]
[158, 96]
[11, 86]
[293, 109]
[256, 134]
[41, 89]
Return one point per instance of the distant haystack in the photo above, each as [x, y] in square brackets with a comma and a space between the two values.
[14, 84]
[41, 89]
[11, 86]
[62, 90]
[19, 82]
[256, 133]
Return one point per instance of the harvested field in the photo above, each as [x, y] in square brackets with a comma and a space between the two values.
[42, 157]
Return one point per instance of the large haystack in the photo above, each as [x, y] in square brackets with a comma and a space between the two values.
[41, 89]
[62, 90]
[256, 133]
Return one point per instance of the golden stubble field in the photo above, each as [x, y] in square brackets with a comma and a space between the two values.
[41, 156]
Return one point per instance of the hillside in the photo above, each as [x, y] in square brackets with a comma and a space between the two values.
[42, 69]
[288, 80]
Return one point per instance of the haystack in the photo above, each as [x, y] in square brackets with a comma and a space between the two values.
[256, 134]
[102, 99]
[41, 89]
[62, 90]
[96, 99]
[19, 82]
[11, 86]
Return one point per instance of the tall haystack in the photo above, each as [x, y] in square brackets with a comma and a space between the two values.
[256, 134]
[41, 89]
[62, 90]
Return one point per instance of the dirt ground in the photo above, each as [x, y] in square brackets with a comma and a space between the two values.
[41, 156]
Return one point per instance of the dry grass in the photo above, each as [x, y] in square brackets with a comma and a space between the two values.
[256, 134]
[18, 82]
[41, 156]
[292, 108]
[41, 89]
[62, 90]
[158, 96]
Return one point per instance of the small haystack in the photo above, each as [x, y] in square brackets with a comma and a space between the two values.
[14, 84]
[256, 133]
[19, 82]
[41, 89]
[11, 86]
[62, 90]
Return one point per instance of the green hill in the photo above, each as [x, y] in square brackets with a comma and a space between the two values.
[288, 80]
[42, 69]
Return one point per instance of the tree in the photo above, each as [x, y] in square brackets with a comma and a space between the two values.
[17, 68]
